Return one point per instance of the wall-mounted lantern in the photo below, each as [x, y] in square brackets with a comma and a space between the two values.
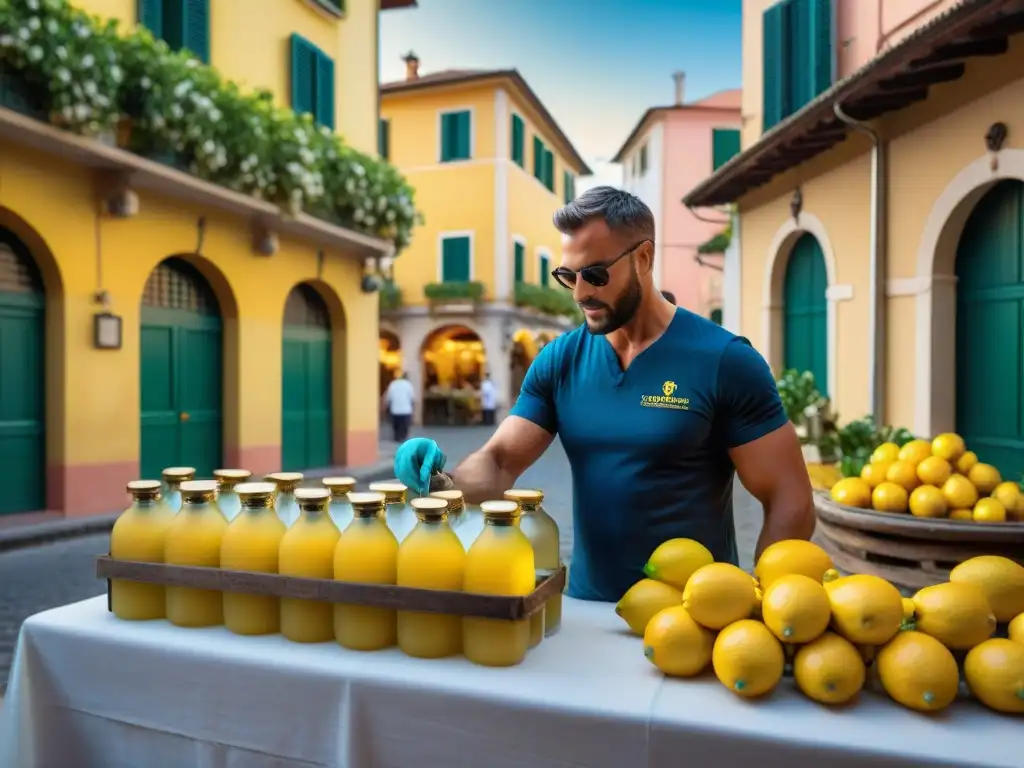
[106, 330]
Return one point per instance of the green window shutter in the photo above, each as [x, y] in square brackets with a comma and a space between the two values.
[518, 140]
[464, 136]
[303, 89]
[447, 137]
[822, 44]
[538, 158]
[456, 130]
[455, 260]
[643, 159]
[519, 251]
[151, 16]
[196, 28]
[549, 169]
[725, 142]
[774, 53]
[384, 138]
[569, 183]
[323, 79]
[545, 270]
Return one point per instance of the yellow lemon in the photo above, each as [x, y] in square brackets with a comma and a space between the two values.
[890, 497]
[918, 671]
[675, 560]
[989, 510]
[796, 608]
[676, 644]
[934, 471]
[874, 473]
[960, 493]
[956, 614]
[903, 473]
[866, 609]
[748, 659]
[719, 594]
[927, 501]
[908, 608]
[829, 670]
[915, 451]
[1008, 494]
[791, 556]
[1015, 630]
[949, 446]
[965, 462]
[960, 514]
[852, 491]
[994, 671]
[886, 453]
[985, 477]
[643, 600]
[1001, 580]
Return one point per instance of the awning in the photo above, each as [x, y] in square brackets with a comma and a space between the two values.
[934, 53]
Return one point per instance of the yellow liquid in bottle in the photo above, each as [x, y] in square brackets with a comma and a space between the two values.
[140, 534]
[500, 562]
[430, 557]
[193, 538]
[367, 553]
[251, 543]
[542, 531]
[307, 550]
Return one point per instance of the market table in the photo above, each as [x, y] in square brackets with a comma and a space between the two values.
[89, 691]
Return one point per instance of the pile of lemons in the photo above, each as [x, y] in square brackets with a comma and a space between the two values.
[937, 479]
[834, 630]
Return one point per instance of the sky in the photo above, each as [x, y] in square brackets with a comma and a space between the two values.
[596, 64]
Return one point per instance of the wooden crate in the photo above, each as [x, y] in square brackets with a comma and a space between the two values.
[549, 583]
[911, 552]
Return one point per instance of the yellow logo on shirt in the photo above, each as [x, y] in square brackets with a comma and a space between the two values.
[666, 399]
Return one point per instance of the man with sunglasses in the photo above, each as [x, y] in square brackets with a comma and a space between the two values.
[657, 409]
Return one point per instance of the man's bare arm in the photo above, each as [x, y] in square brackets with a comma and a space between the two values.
[772, 468]
[492, 470]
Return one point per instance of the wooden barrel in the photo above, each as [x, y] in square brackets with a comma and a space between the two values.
[911, 552]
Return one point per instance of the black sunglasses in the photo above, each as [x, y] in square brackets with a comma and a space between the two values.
[596, 274]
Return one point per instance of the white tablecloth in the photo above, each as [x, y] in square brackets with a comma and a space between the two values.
[89, 691]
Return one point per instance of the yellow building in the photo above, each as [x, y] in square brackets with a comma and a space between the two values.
[490, 166]
[157, 307]
[880, 192]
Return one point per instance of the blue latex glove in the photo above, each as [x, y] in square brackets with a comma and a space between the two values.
[416, 460]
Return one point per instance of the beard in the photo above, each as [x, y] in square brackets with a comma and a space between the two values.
[617, 314]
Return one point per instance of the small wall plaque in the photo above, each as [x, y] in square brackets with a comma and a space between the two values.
[106, 330]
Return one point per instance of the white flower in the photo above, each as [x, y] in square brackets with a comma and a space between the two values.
[35, 53]
[209, 147]
[62, 52]
[115, 73]
[33, 5]
[145, 82]
[89, 88]
[182, 88]
[33, 23]
[52, 26]
[82, 31]
[24, 34]
[63, 75]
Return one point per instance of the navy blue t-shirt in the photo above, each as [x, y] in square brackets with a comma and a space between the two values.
[648, 446]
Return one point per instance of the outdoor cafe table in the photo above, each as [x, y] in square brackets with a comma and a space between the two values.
[89, 691]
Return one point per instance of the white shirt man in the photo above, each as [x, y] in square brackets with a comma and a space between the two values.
[488, 400]
[401, 400]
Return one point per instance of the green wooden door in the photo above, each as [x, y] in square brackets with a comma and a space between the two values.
[181, 372]
[990, 330]
[22, 382]
[306, 414]
[805, 311]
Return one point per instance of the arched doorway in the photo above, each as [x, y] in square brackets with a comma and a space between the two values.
[181, 375]
[524, 350]
[22, 378]
[390, 358]
[454, 363]
[805, 311]
[306, 414]
[990, 329]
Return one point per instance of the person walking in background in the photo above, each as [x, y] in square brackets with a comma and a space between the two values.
[400, 399]
[488, 400]
[669, 297]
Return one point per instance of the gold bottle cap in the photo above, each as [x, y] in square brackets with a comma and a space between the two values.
[179, 473]
[394, 491]
[366, 504]
[198, 490]
[144, 487]
[339, 486]
[229, 477]
[456, 501]
[526, 497]
[430, 508]
[284, 477]
[313, 498]
[500, 511]
[254, 490]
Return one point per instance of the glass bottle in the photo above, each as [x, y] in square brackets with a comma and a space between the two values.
[542, 531]
[367, 553]
[500, 562]
[400, 517]
[339, 509]
[307, 550]
[140, 534]
[456, 514]
[284, 497]
[227, 499]
[193, 538]
[173, 477]
[251, 543]
[430, 557]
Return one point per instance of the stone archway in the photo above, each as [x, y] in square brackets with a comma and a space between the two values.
[772, 303]
[934, 287]
[453, 363]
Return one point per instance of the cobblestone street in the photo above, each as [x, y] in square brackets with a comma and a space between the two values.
[62, 572]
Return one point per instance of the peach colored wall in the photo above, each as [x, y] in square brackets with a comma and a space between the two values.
[687, 161]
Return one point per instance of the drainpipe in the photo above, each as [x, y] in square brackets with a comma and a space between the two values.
[878, 265]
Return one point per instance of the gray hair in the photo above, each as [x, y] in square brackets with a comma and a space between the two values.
[622, 212]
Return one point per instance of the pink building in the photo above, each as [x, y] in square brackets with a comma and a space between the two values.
[668, 153]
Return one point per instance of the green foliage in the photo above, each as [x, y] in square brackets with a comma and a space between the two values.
[470, 290]
[390, 296]
[550, 301]
[858, 439]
